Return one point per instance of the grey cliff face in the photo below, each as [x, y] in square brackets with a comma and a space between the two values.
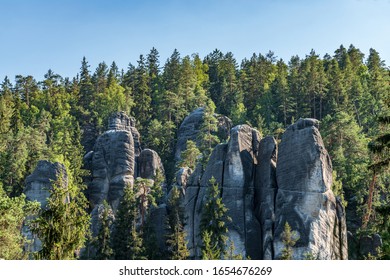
[233, 167]
[264, 185]
[304, 197]
[116, 161]
[113, 164]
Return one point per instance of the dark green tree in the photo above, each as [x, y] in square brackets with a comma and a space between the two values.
[103, 239]
[63, 225]
[214, 221]
[126, 238]
[176, 239]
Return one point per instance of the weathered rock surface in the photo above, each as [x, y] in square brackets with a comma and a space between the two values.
[149, 164]
[233, 166]
[112, 167]
[264, 186]
[116, 161]
[265, 193]
[304, 198]
[39, 183]
[38, 186]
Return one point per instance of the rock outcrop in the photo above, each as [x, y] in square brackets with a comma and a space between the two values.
[38, 186]
[116, 161]
[233, 167]
[304, 197]
[265, 185]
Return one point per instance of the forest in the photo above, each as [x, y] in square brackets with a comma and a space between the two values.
[58, 119]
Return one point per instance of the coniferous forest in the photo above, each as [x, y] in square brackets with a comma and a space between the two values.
[58, 119]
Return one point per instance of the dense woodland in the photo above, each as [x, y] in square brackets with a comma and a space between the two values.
[58, 119]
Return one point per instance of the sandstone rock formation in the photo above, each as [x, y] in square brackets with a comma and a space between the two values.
[38, 186]
[304, 197]
[264, 186]
[116, 161]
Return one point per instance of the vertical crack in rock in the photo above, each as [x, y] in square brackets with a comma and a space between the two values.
[265, 191]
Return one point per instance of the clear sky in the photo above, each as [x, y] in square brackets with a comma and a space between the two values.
[38, 35]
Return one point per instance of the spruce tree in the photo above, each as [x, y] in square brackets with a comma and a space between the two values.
[213, 224]
[207, 137]
[126, 240]
[63, 225]
[210, 250]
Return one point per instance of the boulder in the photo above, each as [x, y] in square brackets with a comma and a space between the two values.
[304, 197]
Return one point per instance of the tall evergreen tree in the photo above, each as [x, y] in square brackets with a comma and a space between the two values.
[63, 225]
[214, 220]
[176, 239]
[126, 239]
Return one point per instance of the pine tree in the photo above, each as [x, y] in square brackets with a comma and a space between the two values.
[214, 220]
[380, 163]
[141, 93]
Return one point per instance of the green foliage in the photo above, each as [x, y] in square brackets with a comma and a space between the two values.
[208, 128]
[210, 250]
[12, 214]
[176, 239]
[103, 239]
[190, 157]
[230, 253]
[63, 225]
[126, 240]
[213, 224]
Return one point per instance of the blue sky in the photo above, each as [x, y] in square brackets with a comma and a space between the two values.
[38, 35]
